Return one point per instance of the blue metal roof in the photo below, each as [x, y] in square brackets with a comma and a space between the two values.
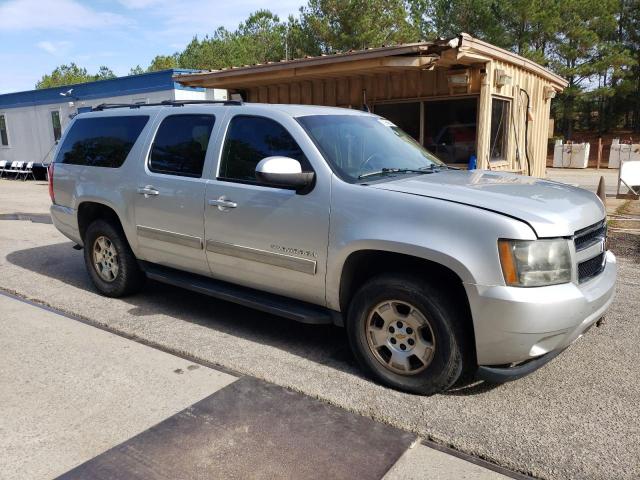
[129, 85]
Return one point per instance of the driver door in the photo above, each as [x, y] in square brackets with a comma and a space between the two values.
[267, 238]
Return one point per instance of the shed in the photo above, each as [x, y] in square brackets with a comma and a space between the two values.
[458, 97]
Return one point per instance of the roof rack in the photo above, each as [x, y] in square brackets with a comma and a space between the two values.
[164, 103]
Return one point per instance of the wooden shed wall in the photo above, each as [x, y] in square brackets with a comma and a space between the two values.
[538, 126]
[347, 91]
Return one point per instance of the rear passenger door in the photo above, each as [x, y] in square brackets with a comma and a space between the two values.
[169, 200]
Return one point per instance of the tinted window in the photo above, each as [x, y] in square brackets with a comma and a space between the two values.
[4, 137]
[180, 145]
[101, 142]
[249, 140]
[57, 126]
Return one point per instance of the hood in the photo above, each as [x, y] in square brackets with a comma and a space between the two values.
[552, 209]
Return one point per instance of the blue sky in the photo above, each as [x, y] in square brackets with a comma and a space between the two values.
[38, 35]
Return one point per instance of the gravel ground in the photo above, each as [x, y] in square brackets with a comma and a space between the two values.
[578, 417]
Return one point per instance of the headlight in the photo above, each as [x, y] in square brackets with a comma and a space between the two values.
[535, 263]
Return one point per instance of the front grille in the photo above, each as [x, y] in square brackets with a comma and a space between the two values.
[588, 236]
[584, 239]
[590, 268]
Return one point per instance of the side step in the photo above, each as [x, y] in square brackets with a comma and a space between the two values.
[275, 304]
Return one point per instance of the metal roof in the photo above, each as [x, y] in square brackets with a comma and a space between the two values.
[128, 85]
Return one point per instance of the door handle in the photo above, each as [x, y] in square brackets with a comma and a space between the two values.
[147, 191]
[222, 203]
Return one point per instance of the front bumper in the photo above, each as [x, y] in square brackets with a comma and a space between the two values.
[514, 325]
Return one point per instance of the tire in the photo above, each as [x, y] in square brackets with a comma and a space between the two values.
[122, 275]
[406, 302]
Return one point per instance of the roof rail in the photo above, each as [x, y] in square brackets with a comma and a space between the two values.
[164, 103]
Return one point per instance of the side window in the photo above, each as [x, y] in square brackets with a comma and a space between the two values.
[57, 126]
[249, 140]
[180, 145]
[101, 141]
[4, 136]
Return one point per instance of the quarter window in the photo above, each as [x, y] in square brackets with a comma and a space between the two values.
[55, 123]
[249, 140]
[4, 135]
[101, 141]
[181, 144]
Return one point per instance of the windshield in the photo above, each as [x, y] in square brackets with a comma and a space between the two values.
[361, 147]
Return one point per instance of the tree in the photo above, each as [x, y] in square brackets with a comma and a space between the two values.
[583, 52]
[163, 62]
[64, 75]
[72, 74]
[261, 38]
[356, 24]
[137, 70]
[104, 73]
[444, 18]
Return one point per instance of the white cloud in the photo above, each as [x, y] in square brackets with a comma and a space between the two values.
[137, 4]
[19, 15]
[53, 47]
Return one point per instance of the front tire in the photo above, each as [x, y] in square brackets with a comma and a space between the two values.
[111, 264]
[407, 334]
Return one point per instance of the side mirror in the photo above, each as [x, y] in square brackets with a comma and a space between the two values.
[283, 172]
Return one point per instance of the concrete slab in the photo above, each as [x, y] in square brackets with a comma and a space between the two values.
[256, 430]
[587, 178]
[70, 391]
[422, 462]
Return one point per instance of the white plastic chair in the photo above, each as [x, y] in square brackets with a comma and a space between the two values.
[18, 170]
[629, 175]
[3, 167]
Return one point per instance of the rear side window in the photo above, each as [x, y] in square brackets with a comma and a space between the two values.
[249, 140]
[180, 145]
[101, 142]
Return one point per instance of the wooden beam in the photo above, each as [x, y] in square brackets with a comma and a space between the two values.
[233, 79]
[483, 141]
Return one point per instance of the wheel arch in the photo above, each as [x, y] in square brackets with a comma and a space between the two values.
[89, 211]
[362, 265]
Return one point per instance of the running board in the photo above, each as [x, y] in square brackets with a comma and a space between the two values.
[266, 302]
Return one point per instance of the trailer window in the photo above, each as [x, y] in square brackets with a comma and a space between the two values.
[4, 136]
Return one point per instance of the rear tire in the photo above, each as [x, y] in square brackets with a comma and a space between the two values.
[408, 334]
[112, 266]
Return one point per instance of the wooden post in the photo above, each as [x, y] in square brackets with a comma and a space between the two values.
[484, 119]
[599, 153]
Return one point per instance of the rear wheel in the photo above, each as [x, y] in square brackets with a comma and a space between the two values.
[111, 264]
[407, 334]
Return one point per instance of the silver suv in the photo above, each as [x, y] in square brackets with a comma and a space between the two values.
[327, 215]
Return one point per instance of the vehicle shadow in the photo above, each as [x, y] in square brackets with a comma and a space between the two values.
[323, 344]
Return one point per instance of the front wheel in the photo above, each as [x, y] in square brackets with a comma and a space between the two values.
[111, 264]
[407, 334]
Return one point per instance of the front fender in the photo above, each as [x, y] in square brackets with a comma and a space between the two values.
[459, 237]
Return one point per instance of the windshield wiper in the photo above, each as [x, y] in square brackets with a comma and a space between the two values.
[382, 171]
